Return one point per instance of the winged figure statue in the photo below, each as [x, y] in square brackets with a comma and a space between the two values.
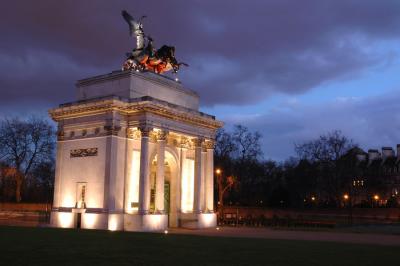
[145, 56]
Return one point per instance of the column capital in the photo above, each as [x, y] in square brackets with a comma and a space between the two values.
[162, 135]
[198, 142]
[184, 142]
[145, 130]
[133, 133]
[60, 134]
[210, 144]
[112, 129]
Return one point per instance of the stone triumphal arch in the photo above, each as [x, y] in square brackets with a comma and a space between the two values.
[134, 153]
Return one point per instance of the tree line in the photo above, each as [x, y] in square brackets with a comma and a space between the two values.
[323, 173]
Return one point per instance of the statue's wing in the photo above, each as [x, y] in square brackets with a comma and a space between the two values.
[130, 20]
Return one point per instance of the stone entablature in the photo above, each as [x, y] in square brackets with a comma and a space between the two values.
[172, 118]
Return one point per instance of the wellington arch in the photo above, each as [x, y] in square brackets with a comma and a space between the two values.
[134, 153]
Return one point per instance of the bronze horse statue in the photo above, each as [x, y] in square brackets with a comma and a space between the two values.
[146, 57]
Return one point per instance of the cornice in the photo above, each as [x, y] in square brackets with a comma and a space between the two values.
[128, 108]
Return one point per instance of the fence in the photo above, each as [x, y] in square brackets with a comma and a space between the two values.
[25, 214]
[251, 216]
[36, 214]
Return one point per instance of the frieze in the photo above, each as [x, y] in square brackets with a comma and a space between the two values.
[83, 152]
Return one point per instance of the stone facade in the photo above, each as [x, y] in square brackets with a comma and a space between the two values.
[133, 153]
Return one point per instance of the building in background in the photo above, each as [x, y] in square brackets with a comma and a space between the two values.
[378, 180]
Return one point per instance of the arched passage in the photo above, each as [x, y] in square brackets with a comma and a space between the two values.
[171, 176]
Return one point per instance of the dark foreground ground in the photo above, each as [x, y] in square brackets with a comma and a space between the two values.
[47, 246]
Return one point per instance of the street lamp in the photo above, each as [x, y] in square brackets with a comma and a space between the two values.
[220, 198]
[376, 198]
[346, 198]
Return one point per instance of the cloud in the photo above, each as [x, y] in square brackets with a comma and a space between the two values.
[372, 122]
[239, 52]
[20, 80]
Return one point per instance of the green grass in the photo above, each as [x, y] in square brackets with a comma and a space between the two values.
[391, 229]
[48, 246]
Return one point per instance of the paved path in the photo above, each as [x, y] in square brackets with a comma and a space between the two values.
[359, 238]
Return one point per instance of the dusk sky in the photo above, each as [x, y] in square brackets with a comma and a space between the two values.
[290, 69]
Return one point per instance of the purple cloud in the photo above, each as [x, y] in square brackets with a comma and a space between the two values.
[239, 52]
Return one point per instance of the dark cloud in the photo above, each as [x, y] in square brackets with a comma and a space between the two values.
[240, 52]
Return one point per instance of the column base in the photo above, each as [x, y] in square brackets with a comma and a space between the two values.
[145, 222]
[198, 220]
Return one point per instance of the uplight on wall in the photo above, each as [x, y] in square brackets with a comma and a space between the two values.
[208, 220]
[89, 220]
[68, 199]
[66, 219]
[113, 223]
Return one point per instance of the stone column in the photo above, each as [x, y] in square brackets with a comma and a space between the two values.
[159, 199]
[179, 183]
[144, 176]
[58, 177]
[112, 129]
[197, 176]
[209, 193]
[203, 180]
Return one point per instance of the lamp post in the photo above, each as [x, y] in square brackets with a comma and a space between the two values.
[347, 201]
[219, 203]
[223, 186]
[376, 198]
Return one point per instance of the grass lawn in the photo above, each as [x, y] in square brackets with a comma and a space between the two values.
[48, 246]
[390, 229]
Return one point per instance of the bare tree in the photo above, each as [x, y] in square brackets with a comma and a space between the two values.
[326, 152]
[248, 143]
[327, 148]
[23, 145]
[224, 144]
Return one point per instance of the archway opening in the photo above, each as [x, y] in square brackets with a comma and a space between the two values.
[170, 180]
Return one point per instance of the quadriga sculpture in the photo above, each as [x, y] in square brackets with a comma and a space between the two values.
[145, 56]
